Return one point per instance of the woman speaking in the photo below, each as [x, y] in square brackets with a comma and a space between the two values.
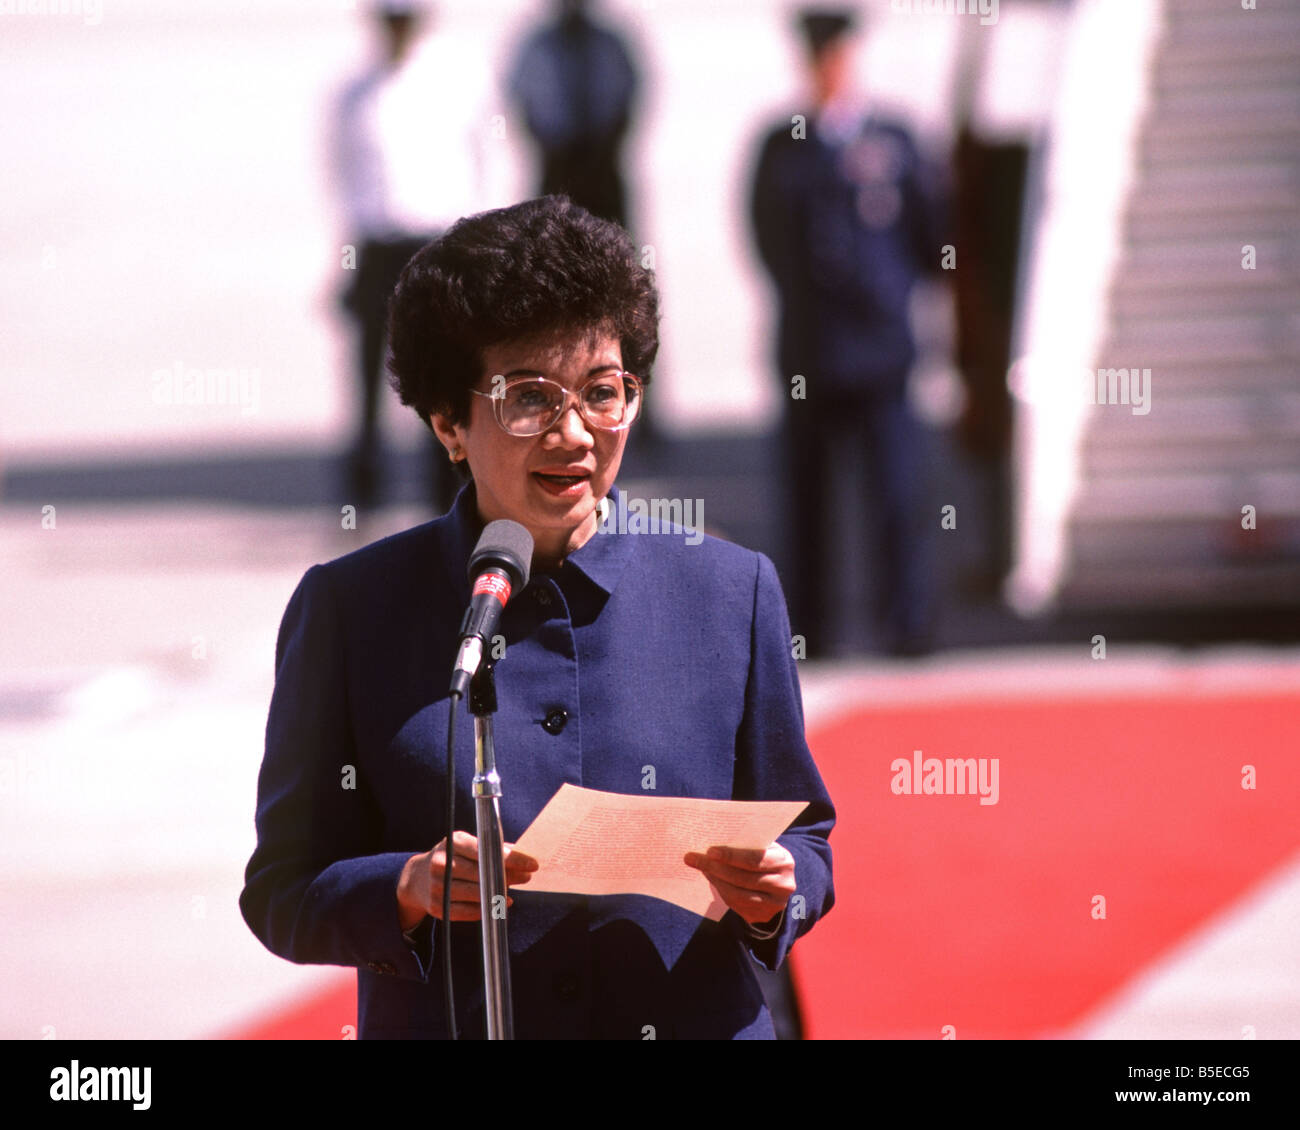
[524, 337]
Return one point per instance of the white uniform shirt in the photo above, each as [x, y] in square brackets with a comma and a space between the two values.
[411, 145]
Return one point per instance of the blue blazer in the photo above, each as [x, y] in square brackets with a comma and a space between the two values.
[642, 650]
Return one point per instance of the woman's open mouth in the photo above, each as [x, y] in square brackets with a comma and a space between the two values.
[562, 485]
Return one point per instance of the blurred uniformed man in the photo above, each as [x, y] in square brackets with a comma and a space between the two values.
[846, 220]
[576, 86]
[406, 149]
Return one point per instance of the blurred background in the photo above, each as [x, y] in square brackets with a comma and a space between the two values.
[202, 200]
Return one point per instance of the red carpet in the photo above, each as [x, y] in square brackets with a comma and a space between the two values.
[979, 917]
[950, 912]
[328, 1015]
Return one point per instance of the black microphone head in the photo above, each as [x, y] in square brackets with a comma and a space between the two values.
[506, 544]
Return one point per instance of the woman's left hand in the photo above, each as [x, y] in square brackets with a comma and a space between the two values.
[754, 882]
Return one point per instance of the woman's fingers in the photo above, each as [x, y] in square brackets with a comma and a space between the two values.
[467, 912]
[423, 891]
[752, 906]
[519, 867]
[756, 884]
[464, 899]
[462, 890]
[770, 870]
[467, 848]
[765, 882]
[461, 868]
[774, 857]
[465, 875]
[517, 859]
[466, 845]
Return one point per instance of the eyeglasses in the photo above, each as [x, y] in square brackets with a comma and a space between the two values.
[531, 405]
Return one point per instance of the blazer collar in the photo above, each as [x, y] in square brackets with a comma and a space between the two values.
[601, 560]
[460, 529]
[605, 554]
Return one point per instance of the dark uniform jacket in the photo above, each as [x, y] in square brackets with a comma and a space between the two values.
[845, 229]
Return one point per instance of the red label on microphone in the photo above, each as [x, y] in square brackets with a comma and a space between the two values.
[494, 583]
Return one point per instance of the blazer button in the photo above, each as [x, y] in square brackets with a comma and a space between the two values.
[566, 986]
[543, 595]
[555, 720]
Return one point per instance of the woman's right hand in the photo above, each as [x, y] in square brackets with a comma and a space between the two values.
[419, 890]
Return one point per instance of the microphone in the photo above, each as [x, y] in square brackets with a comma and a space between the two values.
[498, 566]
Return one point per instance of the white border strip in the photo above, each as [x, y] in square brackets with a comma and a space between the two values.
[831, 690]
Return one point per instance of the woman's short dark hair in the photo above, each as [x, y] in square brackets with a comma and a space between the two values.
[540, 269]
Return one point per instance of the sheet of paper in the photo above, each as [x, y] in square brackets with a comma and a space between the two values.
[589, 842]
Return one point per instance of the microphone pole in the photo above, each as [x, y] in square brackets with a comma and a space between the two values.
[491, 858]
[498, 566]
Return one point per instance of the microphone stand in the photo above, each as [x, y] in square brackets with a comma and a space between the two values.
[491, 857]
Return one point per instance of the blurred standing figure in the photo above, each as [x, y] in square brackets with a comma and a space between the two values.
[575, 85]
[402, 179]
[845, 219]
